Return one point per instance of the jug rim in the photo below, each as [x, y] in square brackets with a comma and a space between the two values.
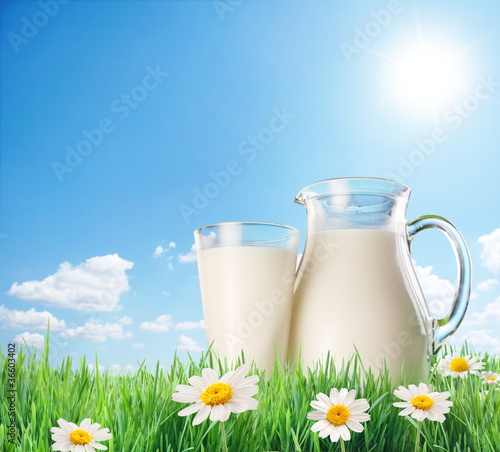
[399, 189]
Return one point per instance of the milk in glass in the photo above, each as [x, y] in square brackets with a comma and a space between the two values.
[247, 296]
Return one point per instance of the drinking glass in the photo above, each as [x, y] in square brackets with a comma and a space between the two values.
[247, 273]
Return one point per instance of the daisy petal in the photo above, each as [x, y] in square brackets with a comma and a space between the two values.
[202, 414]
[85, 424]
[407, 410]
[359, 405]
[320, 425]
[324, 399]
[320, 406]
[345, 434]
[334, 397]
[354, 426]
[237, 376]
[210, 376]
[225, 415]
[419, 415]
[185, 398]
[342, 395]
[191, 409]
[335, 435]
[360, 417]
[216, 413]
[401, 404]
[349, 398]
[315, 415]
[197, 382]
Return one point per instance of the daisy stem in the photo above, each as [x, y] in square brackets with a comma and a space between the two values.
[417, 438]
[223, 434]
[342, 445]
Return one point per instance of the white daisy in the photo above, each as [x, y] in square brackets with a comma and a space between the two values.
[457, 366]
[422, 404]
[338, 413]
[71, 438]
[218, 397]
[490, 378]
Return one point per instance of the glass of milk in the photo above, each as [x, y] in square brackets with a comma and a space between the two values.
[247, 274]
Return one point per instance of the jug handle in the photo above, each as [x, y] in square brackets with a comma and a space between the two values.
[446, 326]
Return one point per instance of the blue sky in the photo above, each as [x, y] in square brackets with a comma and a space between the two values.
[115, 116]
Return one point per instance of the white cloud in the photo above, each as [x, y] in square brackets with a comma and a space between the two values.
[190, 325]
[491, 250]
[91, 368]
[129, 368]
[115, 368]
[188, 344]
[160, 324]
[159, 250]
[94, 285]
[95, 330]
[170, 266]
[483, 339]
[31, 339]
[490, 313]
[125, 320]
[438, 292]
[139, 345]
[167, 294]
[188, 257]
[31, 319]
[487, 284]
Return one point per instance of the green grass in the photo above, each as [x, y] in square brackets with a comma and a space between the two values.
[138, 409]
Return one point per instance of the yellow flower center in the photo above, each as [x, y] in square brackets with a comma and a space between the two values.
[422, 402]
[459, 365]
[217, 394]
[80, 437]
[491, 378]
[338, 415]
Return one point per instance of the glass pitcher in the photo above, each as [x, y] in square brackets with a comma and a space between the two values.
[356, 288]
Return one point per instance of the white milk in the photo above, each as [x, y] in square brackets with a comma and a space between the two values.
[351, 291]
[247, 299]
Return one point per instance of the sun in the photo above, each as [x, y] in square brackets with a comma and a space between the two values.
[428, 76]
[423, 72]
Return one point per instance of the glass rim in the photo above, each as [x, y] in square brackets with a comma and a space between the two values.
[293, 231]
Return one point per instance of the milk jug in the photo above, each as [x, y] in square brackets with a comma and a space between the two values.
[356, 289]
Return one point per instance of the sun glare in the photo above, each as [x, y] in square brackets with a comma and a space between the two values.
[424, 72]
[428, 77]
